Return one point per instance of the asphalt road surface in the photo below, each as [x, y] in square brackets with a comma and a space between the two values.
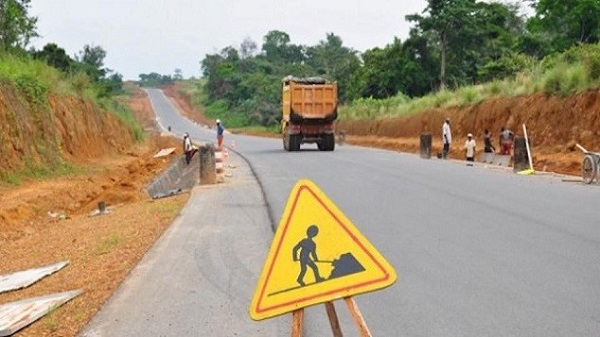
[479, 251]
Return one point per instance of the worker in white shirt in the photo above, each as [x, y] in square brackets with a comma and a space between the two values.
[188, 148]
[446, 137]
[470, 148]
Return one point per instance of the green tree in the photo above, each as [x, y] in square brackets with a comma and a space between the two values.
[54, 56]
[91, 61]
[277, 48]
[468, 35]
[406, 68]
[331, 59]
[177, 76]
[16, 26]
[381, 73]
[221, 73]
[154, 79]
[501, 29]
[420, 67]
[565, 23]
[452, 24]
[113, 84]
[248, 48]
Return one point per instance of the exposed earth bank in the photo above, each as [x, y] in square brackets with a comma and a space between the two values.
[46, 221]
[554, 125]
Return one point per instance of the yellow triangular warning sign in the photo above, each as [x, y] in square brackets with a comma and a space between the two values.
[317, 255]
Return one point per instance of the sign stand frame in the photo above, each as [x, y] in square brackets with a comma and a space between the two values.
[361, 324]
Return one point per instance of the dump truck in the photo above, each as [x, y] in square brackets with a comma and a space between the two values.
[309, 108]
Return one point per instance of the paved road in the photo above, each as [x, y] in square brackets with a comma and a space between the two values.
[479, 251]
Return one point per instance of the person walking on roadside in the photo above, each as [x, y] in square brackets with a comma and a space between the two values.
[487, 142]
[470, 148]
[188, 149]
[506, 141]
[220, 130]
[447, 138]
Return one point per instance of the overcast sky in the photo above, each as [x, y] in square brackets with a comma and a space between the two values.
[144, 36]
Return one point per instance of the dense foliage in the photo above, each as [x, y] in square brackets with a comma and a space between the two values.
[86, 69]
[154, 80]
[243, 85]
[17, 27]
[452, 44]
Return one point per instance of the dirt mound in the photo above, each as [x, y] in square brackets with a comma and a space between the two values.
[115, 170]
[66, 128]
[554, 125]
[45, 221]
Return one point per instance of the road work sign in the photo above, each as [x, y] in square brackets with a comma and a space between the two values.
[317, 256]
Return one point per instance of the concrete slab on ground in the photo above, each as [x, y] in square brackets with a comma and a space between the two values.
[501, 160]
[487, 157]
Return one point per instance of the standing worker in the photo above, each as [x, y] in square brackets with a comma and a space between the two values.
[487, 142]
[506, 141]
[220, 130]
[470, 148]
[447, 138]
[188, 149]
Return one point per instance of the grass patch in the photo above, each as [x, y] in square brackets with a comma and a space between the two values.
[272, 129]
[119, 108]
[39, 172]
[108, 244]
[166, 209]
[50, 319]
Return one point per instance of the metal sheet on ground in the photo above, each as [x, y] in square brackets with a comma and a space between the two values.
[164, 152]
[17, 315]
[23, 279]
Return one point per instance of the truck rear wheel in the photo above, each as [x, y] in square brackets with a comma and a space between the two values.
[328, 143]
[286, 140]
[294, 144]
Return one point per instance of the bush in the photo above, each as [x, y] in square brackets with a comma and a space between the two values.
[32, 87]
[577, 79]
[551, 81]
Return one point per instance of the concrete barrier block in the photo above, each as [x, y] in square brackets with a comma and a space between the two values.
[486, 157]
[501, 160]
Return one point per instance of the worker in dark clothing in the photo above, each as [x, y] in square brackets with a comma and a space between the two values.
[487, 142]
[220, 131]
[308, 255]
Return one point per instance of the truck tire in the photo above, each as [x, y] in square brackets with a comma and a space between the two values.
[286, 141]
[328, 143]
[295, 142]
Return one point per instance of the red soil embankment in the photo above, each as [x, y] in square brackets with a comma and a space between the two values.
[554, 125]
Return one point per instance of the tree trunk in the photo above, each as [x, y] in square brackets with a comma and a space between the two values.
[444, 51]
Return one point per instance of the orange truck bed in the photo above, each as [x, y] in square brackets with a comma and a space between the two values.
[310, 100]
[309, 109]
